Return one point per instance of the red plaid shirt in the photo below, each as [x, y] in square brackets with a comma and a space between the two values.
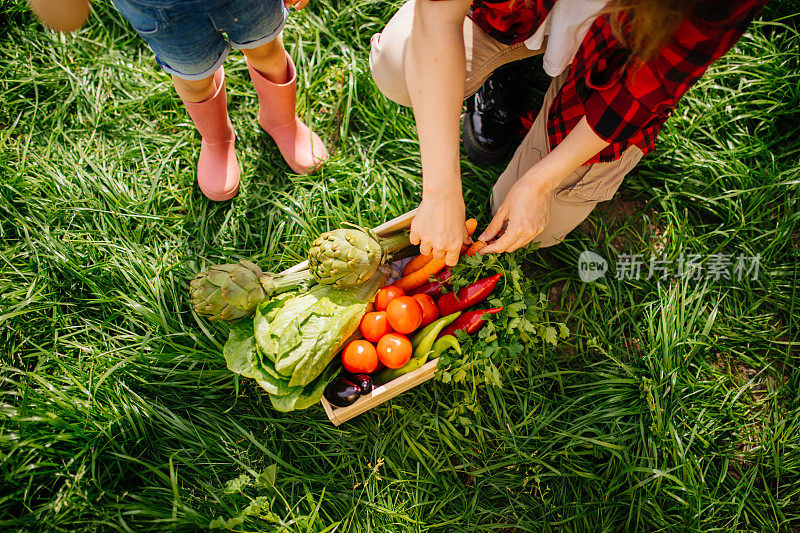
[625, 106]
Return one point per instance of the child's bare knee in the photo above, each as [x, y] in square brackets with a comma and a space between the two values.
[194, 90]
[272, 50]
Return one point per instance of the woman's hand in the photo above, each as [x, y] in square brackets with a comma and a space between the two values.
[525, 212]
[298, 4]
[438, 227]
[526, 208]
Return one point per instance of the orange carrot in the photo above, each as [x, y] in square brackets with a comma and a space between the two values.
[422, 260]
[416, 263]
[472, 225]
[420, 277]
[475, 248]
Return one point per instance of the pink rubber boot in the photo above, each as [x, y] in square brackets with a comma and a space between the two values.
[302, 149]
[217, 168]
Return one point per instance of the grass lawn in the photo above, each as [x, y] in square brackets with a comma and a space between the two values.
[673, 405]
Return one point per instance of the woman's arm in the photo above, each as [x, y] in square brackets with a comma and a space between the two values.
[616, 111]
[435, 76]
[61, 15]
[527, 205]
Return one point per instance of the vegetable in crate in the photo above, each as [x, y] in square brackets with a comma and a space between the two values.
[243, 357]
[470, 322]
[348, 257]
[443, 344]
[468, 296]
[360, 356]
[347, 388]
[386, 295]
[230, 292]
[430, 312]
[374, 326]
[422, 345]
[434, 288]
[394, 350]
[404, 314]
[300, 333]
[305, 397]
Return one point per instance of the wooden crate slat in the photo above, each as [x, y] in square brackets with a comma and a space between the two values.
[296, 268]
[339, 415]
[396, 224]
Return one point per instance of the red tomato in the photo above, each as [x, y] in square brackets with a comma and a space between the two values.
[386, 295]
[375, 325]
[360, 357]
[404, 314]
[430, 311]
[394, 350]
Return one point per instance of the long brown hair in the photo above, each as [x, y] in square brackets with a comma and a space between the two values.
[645, 26]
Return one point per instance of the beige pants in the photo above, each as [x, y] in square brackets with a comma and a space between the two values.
[577, 194]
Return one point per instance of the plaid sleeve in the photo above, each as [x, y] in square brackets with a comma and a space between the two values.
[620, 106]
[509, 21]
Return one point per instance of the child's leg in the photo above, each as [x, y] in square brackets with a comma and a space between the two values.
[270, 60]
[275, 80]
[194, 91]
[189, 46]
[217, 167]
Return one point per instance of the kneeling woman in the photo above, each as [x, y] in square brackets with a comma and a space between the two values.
[619, 68]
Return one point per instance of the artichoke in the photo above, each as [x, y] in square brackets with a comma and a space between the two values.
[230, 292]
[348, 257]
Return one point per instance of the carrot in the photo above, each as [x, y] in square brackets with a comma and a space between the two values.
[416, 263]
[420, 277]
[475, 248]
[422, 260]
[472, 225]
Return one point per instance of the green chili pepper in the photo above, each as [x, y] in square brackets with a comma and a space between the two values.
[442, 344]
[423, 341]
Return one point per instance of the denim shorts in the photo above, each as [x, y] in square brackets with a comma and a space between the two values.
[187, 35]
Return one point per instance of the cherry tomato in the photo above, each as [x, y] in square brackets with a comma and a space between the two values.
[404, 314]
[430, 311]
[394, 350]
[375, 325]
[386, 295]
[360, 357]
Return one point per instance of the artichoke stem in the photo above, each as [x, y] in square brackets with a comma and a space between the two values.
[395, 242]
[276, 284]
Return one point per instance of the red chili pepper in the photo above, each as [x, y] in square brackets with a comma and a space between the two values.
[470, 322]
[468, 296]
[434, 288]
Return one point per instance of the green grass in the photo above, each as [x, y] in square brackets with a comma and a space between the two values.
[673, 405]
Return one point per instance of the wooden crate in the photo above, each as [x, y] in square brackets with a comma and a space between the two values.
[339, 415]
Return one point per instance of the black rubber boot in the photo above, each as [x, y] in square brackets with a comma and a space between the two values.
[491, 126]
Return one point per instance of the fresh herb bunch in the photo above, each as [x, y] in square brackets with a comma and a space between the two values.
[521, 326]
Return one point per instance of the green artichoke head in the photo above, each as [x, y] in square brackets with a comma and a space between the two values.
[345, 257]
[227, 292]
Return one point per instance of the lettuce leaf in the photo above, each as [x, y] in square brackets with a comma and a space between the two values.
[241, 355]
[302, 332]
